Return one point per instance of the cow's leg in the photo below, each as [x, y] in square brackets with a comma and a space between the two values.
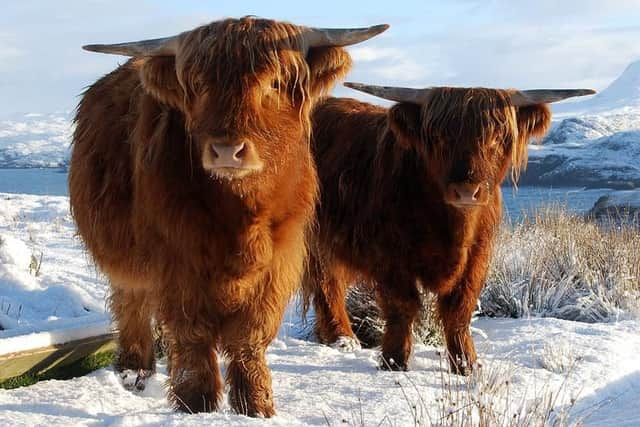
[249, 379]
[190, 339]
[247, 334]
[455, 309]
[245, 340]
[329, 287]
[400, 303]
[195, 383]
[135, 359]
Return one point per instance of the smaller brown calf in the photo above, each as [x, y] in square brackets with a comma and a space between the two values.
[410, 198]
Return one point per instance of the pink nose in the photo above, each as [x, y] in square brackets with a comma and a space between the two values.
[229, 154]
[466, 193]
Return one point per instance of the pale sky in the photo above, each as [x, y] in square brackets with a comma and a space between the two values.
[517, 43]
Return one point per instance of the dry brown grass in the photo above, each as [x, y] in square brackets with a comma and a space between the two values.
[487, 398]
[490, 397]
[557, 264]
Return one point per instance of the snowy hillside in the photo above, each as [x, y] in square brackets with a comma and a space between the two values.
[623, 95]
[46, 280]
[593, 143]
[35, 140]
[588, 151]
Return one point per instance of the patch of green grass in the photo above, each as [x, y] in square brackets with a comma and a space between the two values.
[73, 370]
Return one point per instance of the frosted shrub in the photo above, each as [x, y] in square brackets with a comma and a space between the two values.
[560, 265]
[368, 324]
[559, 358]
[488, 398]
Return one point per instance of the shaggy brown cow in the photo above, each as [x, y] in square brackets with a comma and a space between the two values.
[192, 184]
[410, 197]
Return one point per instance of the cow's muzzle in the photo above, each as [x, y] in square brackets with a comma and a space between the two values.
[467, 194]
[231, 160]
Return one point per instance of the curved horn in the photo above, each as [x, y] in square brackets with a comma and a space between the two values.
[326, 37]
[523, 98]
[314, 37]
[166, 46]
[398, 94]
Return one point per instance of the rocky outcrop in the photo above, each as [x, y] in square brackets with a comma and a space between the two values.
[619, 207]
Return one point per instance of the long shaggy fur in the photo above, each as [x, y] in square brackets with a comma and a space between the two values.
[383, 217]
[214, 261]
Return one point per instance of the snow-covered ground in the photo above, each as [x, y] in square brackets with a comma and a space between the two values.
[593, 365]
[47, 281]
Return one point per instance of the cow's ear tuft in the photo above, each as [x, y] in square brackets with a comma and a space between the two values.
[533, 121]
[327, 66]
[159, 79]
[404, 122]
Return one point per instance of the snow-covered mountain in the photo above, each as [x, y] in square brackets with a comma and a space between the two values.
[593, 143]
[623, 95]
[35, 140]
[588, 151]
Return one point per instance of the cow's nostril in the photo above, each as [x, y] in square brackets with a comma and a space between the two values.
[230, 153]
[213, 151]
[476, 193]
[240, 152]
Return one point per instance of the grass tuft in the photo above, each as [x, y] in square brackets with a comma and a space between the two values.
[558, 264]
[77, 369]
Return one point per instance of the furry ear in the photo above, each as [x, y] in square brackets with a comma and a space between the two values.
[533, 121]
[159, 79]
[327, 66]
[404, 122]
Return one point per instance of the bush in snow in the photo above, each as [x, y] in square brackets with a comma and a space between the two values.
[488, 397]
[558, 358]
[561, 265]
[368, 325]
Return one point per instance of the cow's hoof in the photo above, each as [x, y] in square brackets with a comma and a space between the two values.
[135, 380]
[346, 344]
[464, 368]
[258, 408]
[390, 364]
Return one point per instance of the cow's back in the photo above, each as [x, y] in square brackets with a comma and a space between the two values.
[368, 195]
[345, 134]
[100, 173]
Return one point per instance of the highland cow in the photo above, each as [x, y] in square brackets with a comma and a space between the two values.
[410, 200]
[192, 185]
